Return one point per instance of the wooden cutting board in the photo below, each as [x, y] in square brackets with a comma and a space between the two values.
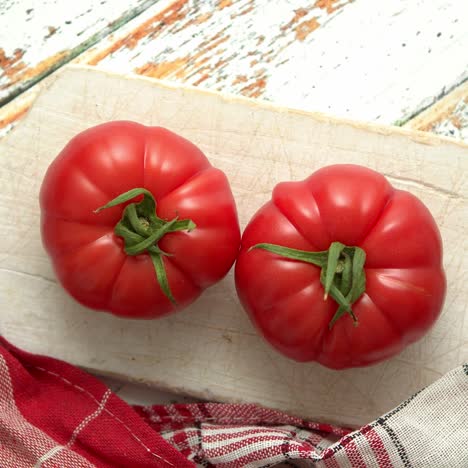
[211, 350]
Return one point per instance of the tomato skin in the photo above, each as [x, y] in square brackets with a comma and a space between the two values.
[103, 162]
[405, 281]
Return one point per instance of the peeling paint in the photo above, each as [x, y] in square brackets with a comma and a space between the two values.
[20, 73]
[148, 29]
[171, 45]
[254, 89]
[240, 48]
[448, 116]
[201, 79]
[452, 122]
[51, 31]
[305, 28]
[162, 69]
[239, 79]
[202, 18]
[13, 64]
[329, 5]
[52, 28]
[224, 3]
[43, 66]
[298, 14]
[243, 12]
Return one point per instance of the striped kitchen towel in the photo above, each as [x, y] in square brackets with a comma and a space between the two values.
[53, 414]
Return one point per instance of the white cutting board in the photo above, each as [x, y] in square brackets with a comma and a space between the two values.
[211, 350]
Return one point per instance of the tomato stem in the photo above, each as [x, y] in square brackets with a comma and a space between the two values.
[342, 272]
[141, 229]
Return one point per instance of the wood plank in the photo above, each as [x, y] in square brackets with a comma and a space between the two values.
[372, 61]
[448, 117]
[54, 31]
[339, 57]
[211, 350]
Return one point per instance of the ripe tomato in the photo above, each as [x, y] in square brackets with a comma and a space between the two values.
[341, 268]
[136, 220]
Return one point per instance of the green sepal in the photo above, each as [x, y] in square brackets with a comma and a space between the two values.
[342, 272]
[141, 229]
[160, 270]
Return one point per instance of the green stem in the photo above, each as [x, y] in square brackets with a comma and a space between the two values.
[135, 221]
[346, 274]
[140, 247]
[342, 272]
[334, 253]
[141, 229]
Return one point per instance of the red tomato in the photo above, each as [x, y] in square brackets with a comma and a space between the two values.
[390, 303]
[185, 235]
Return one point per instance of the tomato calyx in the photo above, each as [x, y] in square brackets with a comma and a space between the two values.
[141, 229]
[342, 272]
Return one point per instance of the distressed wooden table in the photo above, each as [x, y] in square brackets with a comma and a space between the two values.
[400, 62]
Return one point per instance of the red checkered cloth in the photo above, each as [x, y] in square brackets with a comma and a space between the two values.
[55, 415]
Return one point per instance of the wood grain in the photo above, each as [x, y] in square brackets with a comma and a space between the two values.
[211, 350]
[38, 37]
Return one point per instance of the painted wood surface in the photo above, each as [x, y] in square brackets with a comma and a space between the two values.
[448, 117]
[372, 61]
[366, 60]
[37, 37]
[211, 350]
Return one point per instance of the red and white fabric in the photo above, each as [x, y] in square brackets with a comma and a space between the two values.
[55, 415]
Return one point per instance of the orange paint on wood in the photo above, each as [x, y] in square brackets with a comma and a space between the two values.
[184, 68]
[200, 58]
[44, 65]
[195, 20]
[181, 67]
[12, 65]
[441, 113]
[224, 3]
[444, 116]
[173, 13]
[202, 18]
[254, 89]
[298, 14]
[163, 69]
[239, 79]
[305, 28]
[329, 5]
[210, 44]
[245, 11]
[204, 77]
[22, 73]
